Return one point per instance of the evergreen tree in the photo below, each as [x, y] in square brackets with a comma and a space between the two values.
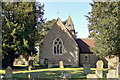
[104, 26]
[44, 29]
[19, 20]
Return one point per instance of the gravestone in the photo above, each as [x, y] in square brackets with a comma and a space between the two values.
[112, 73]
[99, 65]
[46, 63]
[118, 68]
[29, 67]
[61, 64]
[50, 65]
[111, 65]
[92, 77]
[30, 64]
[8, 72]
[19, 63]
[34, 75]
[66, 75]
[99, 73]
[86, 68]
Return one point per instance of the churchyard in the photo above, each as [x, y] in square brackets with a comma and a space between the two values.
[61, 72]
[51, 73]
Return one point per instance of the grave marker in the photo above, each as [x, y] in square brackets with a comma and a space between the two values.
[99, 73]
[118, 68]
[8, 72]
[86, 68]
[92, 77]
[99, 65]
[112, 73]
[61, 64]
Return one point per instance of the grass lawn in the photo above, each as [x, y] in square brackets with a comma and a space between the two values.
[52, 72]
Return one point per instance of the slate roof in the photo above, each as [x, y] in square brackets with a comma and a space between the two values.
[85, 44]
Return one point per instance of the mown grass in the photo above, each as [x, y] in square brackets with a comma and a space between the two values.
[52, 72]
[55, 73]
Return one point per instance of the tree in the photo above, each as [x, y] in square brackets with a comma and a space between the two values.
[44, 29]
[19, 20]
[104, 26]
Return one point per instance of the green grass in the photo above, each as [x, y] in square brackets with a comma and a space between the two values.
[55, 73]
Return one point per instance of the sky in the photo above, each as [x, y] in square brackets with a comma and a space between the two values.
[77, 11]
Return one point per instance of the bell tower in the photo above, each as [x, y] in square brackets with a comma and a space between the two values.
[70, 26]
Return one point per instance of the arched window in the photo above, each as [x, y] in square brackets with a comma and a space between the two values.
[57, 46]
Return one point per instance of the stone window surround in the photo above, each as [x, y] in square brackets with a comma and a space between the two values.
[59, 46]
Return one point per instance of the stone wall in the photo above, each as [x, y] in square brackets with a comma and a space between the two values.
[88, 58]
[91, 59]
[70, 50]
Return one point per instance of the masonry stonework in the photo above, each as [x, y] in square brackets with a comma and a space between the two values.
[70, 48]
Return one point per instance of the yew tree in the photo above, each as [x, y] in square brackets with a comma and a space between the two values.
[19, 21]
[104, 26]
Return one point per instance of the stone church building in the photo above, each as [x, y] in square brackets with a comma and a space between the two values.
[61, 44]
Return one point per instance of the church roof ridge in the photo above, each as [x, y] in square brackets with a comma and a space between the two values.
[60, 24]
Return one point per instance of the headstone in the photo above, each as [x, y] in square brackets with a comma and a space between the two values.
[31, 63]
[8, 72]
[34, 75]
[61, 64]
[118, 68]
[111, 65]
[46, 63]
[42, 61]
[112, 61]
[112, 73]
[99, 65]
[29, 67]
[86, 68]
[19, 63]
[99, 73]
[66, 76]
[92, 77]
[50, 65]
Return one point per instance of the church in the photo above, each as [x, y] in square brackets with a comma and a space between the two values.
[61, 44]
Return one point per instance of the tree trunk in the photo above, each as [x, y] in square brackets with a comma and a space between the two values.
[8, 60]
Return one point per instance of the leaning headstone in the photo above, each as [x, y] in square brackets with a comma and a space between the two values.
[8, 72]
[86, 68]
[92, 77]
[118, 68]
[99, 73]
[99, 65]
[112, 73]
[61, 64]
